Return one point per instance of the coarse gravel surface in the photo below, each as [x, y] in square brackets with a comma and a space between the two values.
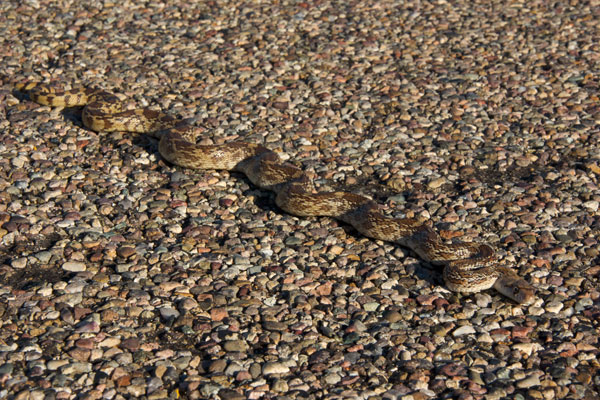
[122, 276]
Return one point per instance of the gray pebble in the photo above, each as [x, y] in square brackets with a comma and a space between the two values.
[169, 313]
[530, 381]
[235, 346]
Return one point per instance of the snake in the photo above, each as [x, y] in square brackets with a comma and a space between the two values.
[468, 267]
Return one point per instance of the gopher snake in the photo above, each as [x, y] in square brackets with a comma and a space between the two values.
[468, 267]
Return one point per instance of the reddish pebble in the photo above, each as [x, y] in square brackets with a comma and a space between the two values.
[131, 344]
[567, 350]
[80, 354]
[88, 327]
[80, 312]
[218, 314]
[124, 381]
[500, 331]
[520, 331]
[348, 380]
[555, 280]
[85, 344]
[243, 376]
[440, 302]
[225, 202]
[426, 300]
[453, 369]
[324, 289]
[125, 251]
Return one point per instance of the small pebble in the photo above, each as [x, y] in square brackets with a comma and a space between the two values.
[168, 312]
[74, 266]
[463, 330]
[530, 381]
[392, 316]
[19, 263]
[275, 368]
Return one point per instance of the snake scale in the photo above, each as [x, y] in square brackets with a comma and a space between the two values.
[468, 267]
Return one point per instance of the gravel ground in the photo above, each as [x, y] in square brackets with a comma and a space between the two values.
[122, 276]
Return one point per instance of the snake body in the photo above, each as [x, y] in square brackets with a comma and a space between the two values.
[468, 267]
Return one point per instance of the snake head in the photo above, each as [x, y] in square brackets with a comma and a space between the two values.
[514, 287]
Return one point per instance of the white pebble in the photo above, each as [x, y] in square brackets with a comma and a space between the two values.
[526, 348]
[74, 266]
[19, 263]
[554, 306]
[111, 341]
[51, 315]
[266, 252]
[53, 365]
[176, 229]
[463, 330]
[485, 338]
[483, 299]
[45, 291]
[168, 312]
[18, 161]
